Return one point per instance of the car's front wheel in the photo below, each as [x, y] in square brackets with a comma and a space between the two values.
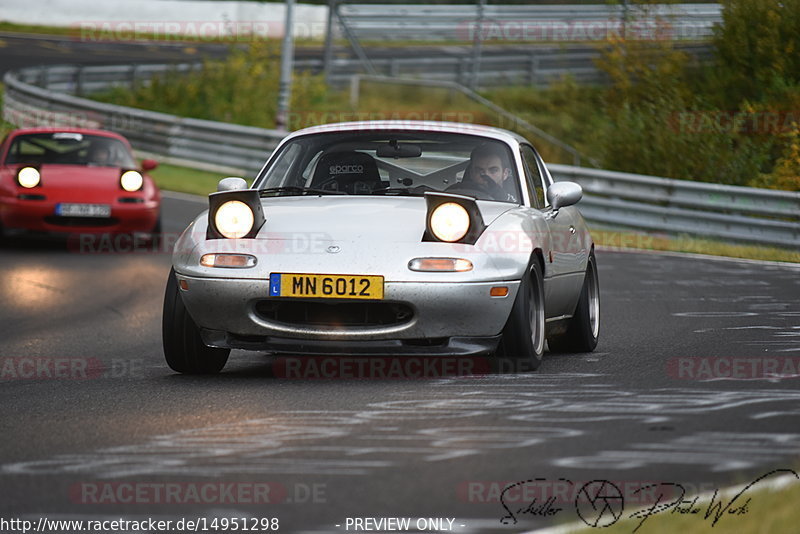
[583, 330]
[184, 350]
[524, 333]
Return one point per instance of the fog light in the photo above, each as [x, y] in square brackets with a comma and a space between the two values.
[228, 261]
[447, 265]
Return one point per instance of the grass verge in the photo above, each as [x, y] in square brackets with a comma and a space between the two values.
[623, 240]
[181, 179]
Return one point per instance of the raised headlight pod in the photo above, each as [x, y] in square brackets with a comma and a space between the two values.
[29, 177]
[234, 214]
[131, 181]
[452, 219]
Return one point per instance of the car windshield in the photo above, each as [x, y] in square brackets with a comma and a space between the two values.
[69, 148]
[393, 163]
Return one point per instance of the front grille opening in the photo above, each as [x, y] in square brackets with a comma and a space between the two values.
[334, 314]
[94, 222]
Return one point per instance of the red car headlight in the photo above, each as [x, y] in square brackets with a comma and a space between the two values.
[29, 177]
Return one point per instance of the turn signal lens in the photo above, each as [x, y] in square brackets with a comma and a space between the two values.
[448, 265]
[229, 261]
[498, 291]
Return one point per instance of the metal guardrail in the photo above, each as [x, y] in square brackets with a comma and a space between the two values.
[612, 198]
[727, 212]
[218, 146]
[408, 22]
[539, 66]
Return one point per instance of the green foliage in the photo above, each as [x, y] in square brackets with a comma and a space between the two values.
[242, 89]
[662, 123]
[758, 48]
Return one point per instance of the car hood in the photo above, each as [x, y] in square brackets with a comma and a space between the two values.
[75, 180]
[354, 218]
[338, 234]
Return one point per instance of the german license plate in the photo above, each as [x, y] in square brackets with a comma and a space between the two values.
[332, 286]
[83, 210]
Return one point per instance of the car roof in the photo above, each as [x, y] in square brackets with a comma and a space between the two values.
[414, 126]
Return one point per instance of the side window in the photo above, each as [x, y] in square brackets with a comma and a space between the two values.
[532, 177]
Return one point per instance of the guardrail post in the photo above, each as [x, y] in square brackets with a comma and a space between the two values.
[327, 58]
[355, 82]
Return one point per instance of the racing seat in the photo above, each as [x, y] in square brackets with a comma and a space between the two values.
[352, 172]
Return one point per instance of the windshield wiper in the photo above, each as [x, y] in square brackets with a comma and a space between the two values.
[298, 189]
[414, 192]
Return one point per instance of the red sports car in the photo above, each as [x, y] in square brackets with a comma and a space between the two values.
[75, 181]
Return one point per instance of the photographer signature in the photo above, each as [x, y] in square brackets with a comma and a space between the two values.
[601, 503]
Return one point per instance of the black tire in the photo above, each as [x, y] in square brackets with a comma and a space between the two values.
[184, 350]
[584, 327]
[524, 334]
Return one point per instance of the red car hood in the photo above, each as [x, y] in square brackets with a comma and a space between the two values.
[77, 183]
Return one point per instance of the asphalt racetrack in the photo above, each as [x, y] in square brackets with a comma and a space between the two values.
[695, 381]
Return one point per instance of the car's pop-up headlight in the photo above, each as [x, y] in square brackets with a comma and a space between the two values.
[234, 214]
[449, 222]
[452, 219]
[29, 177]
[131, 181]
[234, 219]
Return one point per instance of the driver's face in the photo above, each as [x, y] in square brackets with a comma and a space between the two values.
[489, 167]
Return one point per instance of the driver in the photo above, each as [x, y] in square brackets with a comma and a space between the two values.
[488, 171]
[99, 154]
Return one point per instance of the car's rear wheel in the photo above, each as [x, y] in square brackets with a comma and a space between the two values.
[583, 330]
[524, 333]
[184, 350]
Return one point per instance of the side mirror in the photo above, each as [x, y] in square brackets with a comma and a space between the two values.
[149, 164]
[232, 183]
[563, 194]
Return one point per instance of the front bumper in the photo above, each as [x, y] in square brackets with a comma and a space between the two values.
[39, 216]
[441, 310]
[453, 346]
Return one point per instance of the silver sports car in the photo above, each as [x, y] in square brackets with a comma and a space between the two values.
[386, 238]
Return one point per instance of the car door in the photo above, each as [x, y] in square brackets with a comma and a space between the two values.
[563, 273]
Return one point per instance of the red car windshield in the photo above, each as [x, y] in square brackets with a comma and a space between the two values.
[68, 148]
